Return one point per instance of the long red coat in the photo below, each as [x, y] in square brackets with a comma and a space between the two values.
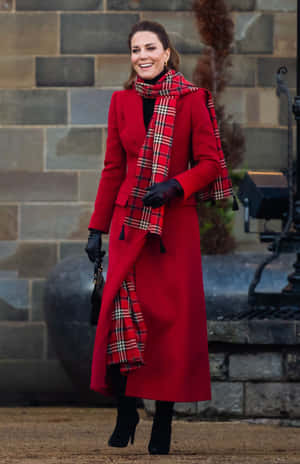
[169, 285]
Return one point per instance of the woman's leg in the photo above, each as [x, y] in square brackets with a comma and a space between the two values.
[162, 428]
[127, 418]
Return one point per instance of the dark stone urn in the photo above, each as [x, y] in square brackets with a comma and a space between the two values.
[67, 312]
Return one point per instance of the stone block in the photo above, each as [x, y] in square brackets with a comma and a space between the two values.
[185, 409]
[258, 366]
[31, 376]
[16, 72]
[21, 149]
[75, 148]
[272, 332]
[23, 34]
[88, 185]
[267, 69]
[64, 72]
[37, 300]
[55, 222]
[241, 5]
[265, 148]
[61, 5]
[99, 33]
[145, 5]
[228, 331]
[21, 340]
[9, 222]
[283, 111]
[285, 36]
[218, 366]
[268, 107]
[29, 107]
[253, 33]
[72, 248]
[112, 71]
[5, 5]
[38, 186]
[227, 400]
[235, 101]
[28, 260]
[272, 399]
[277, 5]
[90, 106]
[181, 28]
[243, 71]
[14, 300]
[292, 365]
[188, 63]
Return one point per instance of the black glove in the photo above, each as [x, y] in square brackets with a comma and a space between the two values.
[94, 245]
[162, 192]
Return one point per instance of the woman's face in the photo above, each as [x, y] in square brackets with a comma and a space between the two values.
[148, 55]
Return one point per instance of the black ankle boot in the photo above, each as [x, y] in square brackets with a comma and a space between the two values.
[127, 421]
[162, 428]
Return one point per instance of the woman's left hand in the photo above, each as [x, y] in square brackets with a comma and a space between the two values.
[162, 192]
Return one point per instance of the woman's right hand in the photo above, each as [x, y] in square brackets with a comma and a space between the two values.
[94, 245]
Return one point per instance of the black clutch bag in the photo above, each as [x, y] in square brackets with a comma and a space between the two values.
[96, 297]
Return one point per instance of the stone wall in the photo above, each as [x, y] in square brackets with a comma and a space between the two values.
[60, 61]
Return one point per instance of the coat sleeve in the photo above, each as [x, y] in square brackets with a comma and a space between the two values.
[112, 174]
[204, 147]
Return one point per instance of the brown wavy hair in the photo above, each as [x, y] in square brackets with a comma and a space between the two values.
[159, 30]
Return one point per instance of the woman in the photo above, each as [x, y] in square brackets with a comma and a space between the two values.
[151, 338]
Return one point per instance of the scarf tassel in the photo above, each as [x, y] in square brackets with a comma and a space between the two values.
[122, 234]
[235, 205]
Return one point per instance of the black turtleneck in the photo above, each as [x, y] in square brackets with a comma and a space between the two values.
[148, 103]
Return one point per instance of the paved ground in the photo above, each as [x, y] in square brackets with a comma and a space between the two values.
[54, 435]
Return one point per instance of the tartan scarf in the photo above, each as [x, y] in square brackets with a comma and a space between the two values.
[128, 332]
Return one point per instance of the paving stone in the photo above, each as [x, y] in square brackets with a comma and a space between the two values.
[88, 185]
[243, 71]
[218, 366]
[55, 222]
[277, 5]
[253, 33]
[37, 300]
[64, 72]
[292, 365]
[16, 72]
[24, 34]
[5, 5]
[9, 222]
[181, 28]
[38, 186]
[227, 400]
[94, 34]
[259, 366]
[28, 107]
[30, 376]
[268, 67]
[14, 300]
[21, 149]
[74, 148]
[285, 37]
[272, 399]
[265, 148]
[43, 5]
[28, 260]
[90, 106]
[149, 5]
[20, 340]
[112, 71]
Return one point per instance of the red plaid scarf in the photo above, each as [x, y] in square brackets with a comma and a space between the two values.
[128, 333]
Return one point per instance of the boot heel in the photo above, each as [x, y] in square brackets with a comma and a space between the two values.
[133, 435]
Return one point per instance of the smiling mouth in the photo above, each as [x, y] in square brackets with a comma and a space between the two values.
[145, 66]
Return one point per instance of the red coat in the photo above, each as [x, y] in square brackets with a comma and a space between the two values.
[169, 285]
